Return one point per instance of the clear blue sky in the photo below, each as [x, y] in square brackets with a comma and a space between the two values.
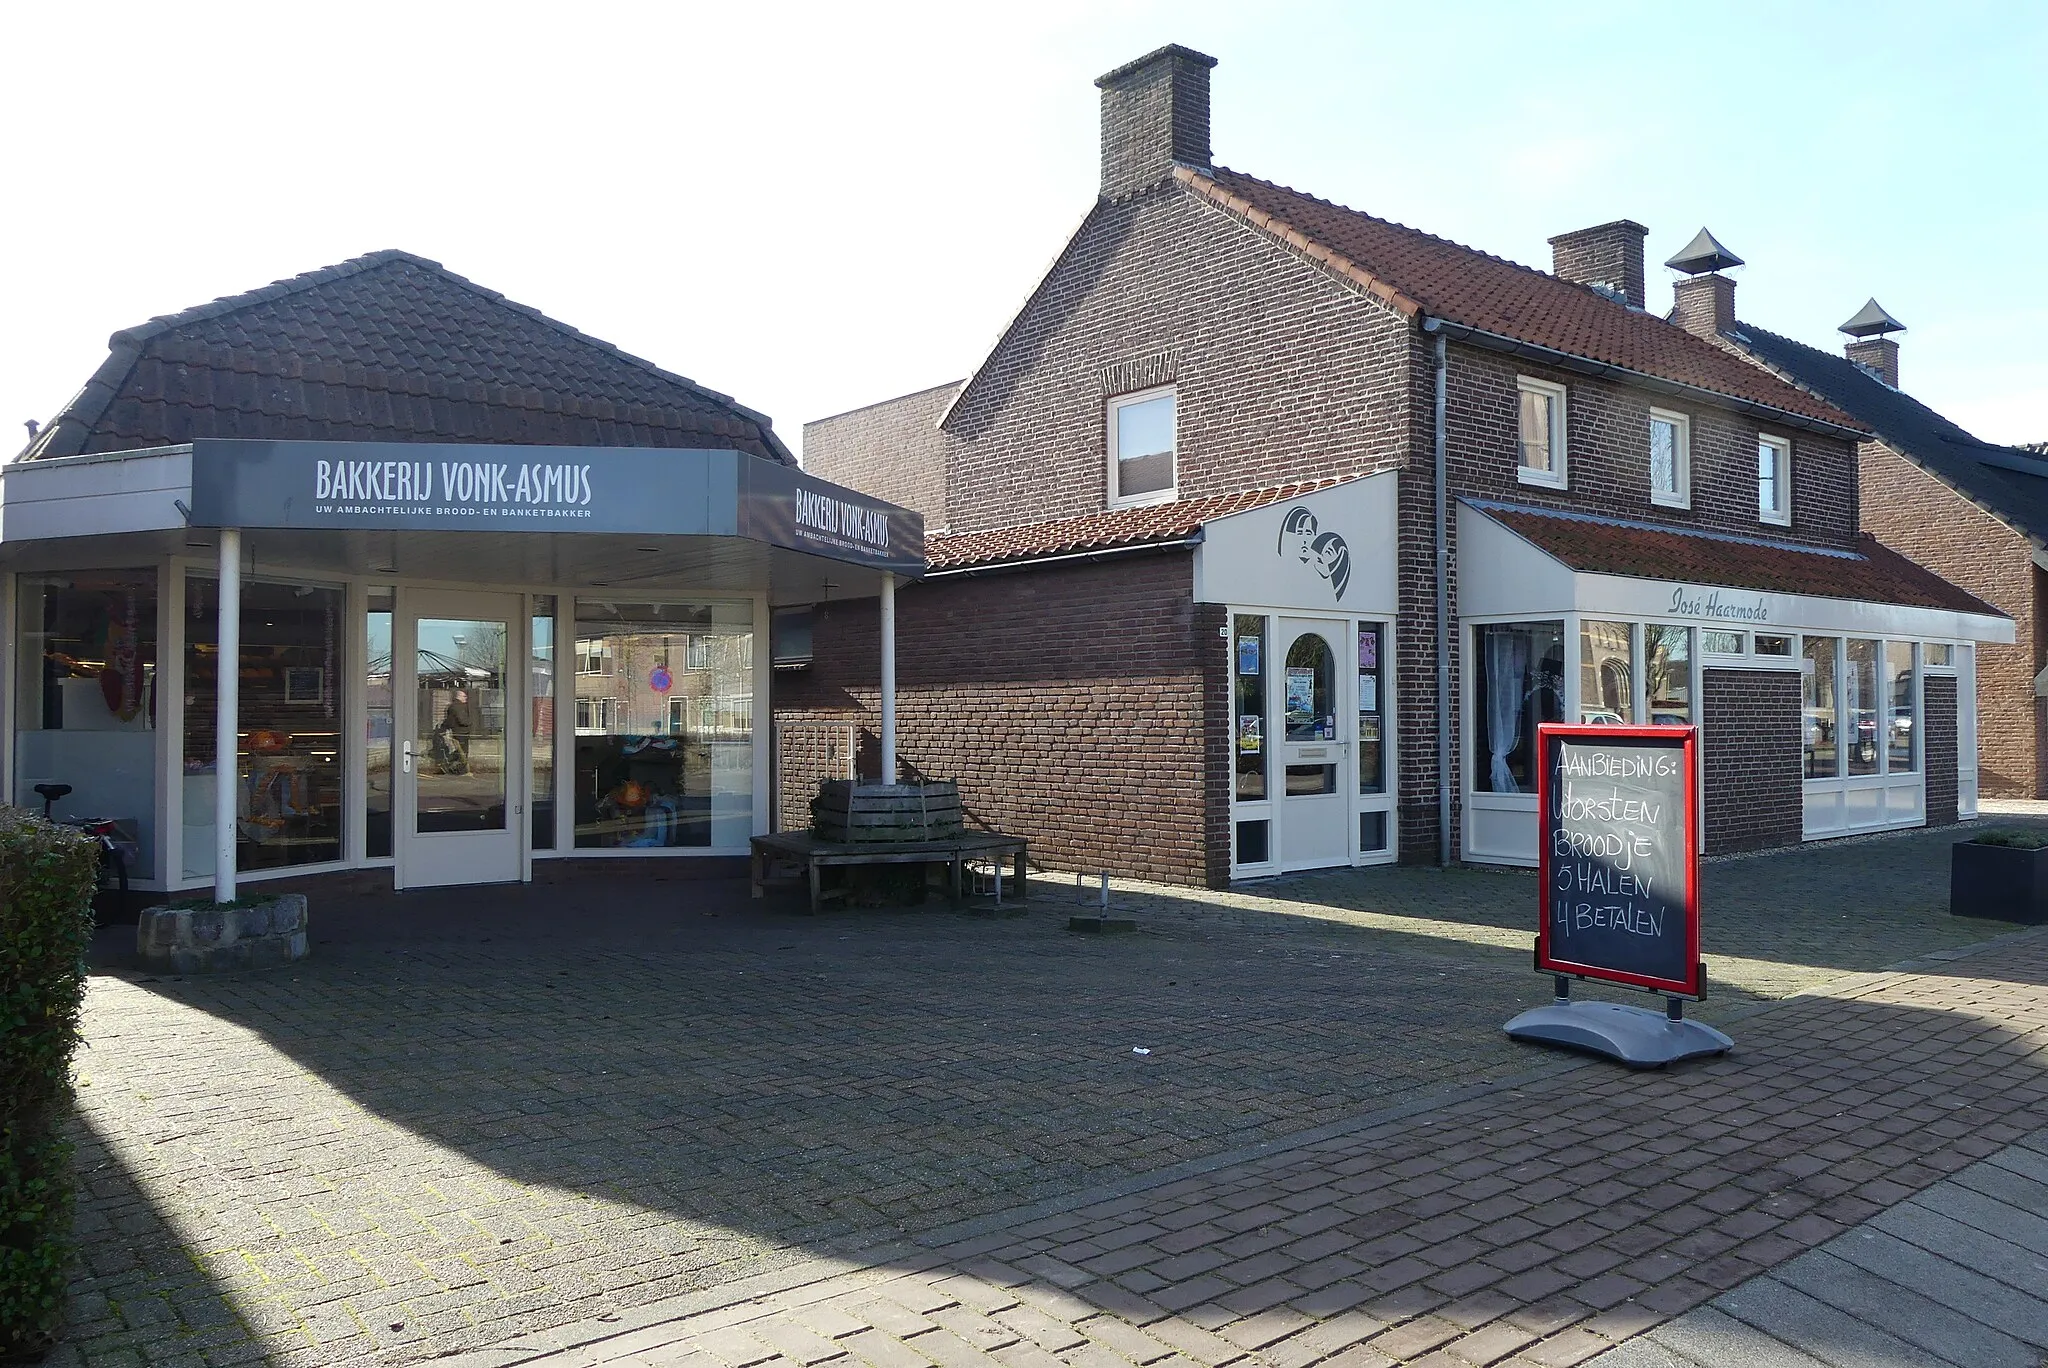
[812, 208]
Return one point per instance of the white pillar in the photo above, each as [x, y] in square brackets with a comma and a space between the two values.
[888, 678]
[226, 709]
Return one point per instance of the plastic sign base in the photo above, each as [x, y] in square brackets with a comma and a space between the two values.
[1639, 1038]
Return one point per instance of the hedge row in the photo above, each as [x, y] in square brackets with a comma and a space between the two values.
[47, 875]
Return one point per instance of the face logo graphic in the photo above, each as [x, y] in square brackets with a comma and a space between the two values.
[1326, 551]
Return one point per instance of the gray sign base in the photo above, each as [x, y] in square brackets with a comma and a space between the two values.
[1637, 1037]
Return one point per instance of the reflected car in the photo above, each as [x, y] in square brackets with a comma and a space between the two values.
[1601, 717]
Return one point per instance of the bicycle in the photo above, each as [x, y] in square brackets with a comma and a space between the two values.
[116, 850]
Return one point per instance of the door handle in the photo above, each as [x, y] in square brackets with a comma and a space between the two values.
[405, 757]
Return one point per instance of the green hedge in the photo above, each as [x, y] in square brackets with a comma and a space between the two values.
[47, 875]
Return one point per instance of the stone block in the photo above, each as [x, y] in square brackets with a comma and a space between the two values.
[212, 940]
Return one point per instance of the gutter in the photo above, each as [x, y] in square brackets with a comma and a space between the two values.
[1581, 365]
[1032, 562]
[1434, 327]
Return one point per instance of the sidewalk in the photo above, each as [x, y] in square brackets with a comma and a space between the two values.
[1539, 1223]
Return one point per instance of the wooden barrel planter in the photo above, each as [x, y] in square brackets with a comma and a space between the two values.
[851, 812]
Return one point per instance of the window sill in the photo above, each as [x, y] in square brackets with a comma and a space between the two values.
[1540, 479]
[1164, 496]
[1775, 520]
[1681, 502]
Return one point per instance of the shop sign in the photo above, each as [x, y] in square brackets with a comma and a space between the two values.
[1712, 605]
[1619, 855]
[488, 488]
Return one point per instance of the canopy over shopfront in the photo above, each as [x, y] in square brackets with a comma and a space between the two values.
[381, 598]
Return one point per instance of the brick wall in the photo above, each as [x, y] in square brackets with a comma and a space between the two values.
[1917, 515]
[892, 450]
[1938, 748]
[807, 751]
[1749, 736]
[1080, 706]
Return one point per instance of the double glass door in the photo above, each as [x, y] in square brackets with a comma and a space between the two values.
[461, 761]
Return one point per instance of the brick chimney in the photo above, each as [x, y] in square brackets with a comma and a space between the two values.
[1704, 304]
[1869, 347]
[1155, 113]
[1609, 258]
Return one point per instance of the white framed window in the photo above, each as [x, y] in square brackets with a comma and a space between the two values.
[1770, 645]
[1937, 655]
[1670, 459]
[1715, 641]
[1774, 480]
[1141, 441]
[1540, 442]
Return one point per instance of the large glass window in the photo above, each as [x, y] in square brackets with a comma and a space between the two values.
[1248, 688]
[541, 688]
[1141, 445]
[1817, 681]
[1900, 694]
[664, 724]
[1372, 709]
[1667, 673]
[460, 779]
[377, 732]
[1606, 674]
[86, 700]
[1863, 704]
[289, 765]
[1518, 684]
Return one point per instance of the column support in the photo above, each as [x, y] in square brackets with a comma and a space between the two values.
[888, 678]
[226, 712]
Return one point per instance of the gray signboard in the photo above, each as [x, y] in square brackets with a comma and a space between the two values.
[460, 487]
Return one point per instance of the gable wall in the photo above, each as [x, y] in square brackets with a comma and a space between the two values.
[1918, 516]
[892, 450]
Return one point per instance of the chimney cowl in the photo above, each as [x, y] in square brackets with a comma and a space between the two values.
[1607, 257]
[1703, 254]
[1155, 116]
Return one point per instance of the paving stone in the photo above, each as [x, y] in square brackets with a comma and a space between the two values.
[1917, 1319]
[1814, 1327]
[1958, 1286]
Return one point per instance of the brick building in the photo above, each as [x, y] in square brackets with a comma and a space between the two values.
[1203, 607]
[1973, 511]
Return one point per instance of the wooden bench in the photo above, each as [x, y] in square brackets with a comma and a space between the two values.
[953, 851]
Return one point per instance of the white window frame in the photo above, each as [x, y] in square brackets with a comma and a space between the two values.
[1557, 477]
[1780, 516]
[1112, 487]
[1681, 460]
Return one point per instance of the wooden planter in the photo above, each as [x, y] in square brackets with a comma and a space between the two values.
[852, 812]
[2003, 883]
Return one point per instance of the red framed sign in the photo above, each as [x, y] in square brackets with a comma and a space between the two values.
[1618, 855]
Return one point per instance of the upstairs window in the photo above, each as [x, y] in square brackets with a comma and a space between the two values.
[1141, 448]
[1774, 480]
[1670, 459]
[1540, 444]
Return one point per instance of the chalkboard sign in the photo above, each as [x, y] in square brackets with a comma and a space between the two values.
[1620, 855]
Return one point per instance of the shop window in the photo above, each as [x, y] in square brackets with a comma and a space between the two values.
[1667, 674]
[378, 732]
[649, 773]
[1774, 480]
[1141, 447]
[1862, 703]
[1903, 715]
[1248, 670]
[1670, 459]
[1606, 673]
[1817, 683]
[1773, 645]
[541, 689]
[1714, 641]
[1518, 684]
[288, 808]
[1372, 709]
[86, 700]
[1540, 442]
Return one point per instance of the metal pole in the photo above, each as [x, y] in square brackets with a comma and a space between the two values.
[1443, 615]
[226, 710]
[888, 678]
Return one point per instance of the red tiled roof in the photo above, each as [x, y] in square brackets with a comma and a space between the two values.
[1418, 273]
[388, 347]
[1873, 574]
[1119, 527]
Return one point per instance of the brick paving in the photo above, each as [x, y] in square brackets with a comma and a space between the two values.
[488, 1112]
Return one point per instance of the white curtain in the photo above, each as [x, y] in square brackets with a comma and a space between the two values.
[1507, 665]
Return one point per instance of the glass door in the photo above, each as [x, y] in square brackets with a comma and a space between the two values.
[1317, 778]
[461, 762]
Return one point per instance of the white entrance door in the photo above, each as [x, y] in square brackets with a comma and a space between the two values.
[461, 754]
[1317, 778]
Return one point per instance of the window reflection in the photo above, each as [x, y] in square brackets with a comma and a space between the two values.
[1817, 682]
[1667, 674]
[1861, 703]
[1606, 674]
[1518, 684]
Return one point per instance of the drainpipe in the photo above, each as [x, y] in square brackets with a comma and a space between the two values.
[1443, 613]
[888, 678]
[227, 697]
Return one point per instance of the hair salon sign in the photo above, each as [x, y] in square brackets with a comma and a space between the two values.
[1710, 604]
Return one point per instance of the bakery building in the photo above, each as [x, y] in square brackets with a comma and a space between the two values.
[1269, 531]
[495, 593]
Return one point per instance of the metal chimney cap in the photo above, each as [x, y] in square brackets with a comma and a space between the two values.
[1871, 321]
[1703, 254]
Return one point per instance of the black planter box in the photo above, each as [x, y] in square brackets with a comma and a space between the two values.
[2002, 883]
